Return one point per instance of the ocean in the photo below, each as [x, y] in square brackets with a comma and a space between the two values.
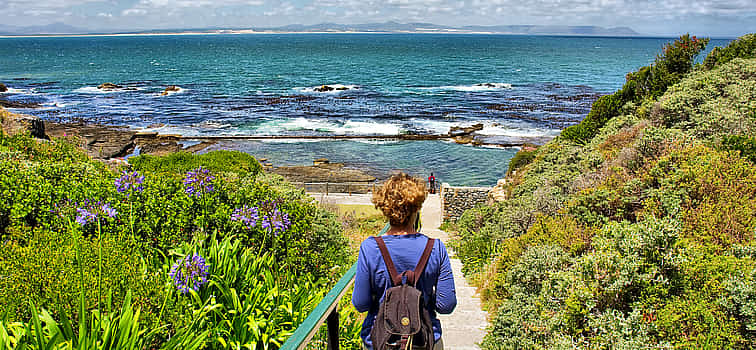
[521, 88]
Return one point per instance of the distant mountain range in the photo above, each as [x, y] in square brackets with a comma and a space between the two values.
[387, 27]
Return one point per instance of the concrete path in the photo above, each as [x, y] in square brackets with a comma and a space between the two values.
[466, 326]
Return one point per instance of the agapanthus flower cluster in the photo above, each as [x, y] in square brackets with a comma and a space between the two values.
[273, 219]
[189, 273]
[247, 215]
[266, 213]
[199, 181]
[129, 182]
[90, 211]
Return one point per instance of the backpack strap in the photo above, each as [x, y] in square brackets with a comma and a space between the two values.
[414, 275]
[396, 279]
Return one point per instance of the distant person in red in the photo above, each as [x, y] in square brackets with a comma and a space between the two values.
[432, 183]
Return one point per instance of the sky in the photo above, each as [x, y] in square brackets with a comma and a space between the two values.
[655, 17]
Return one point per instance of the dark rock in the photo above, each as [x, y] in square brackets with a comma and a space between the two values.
[285, 99]
[109, 86]
[169, 89]
[461, 131]
[324, 88]
[3, 88]
[160, 148]
[14, 124]
[18, 104]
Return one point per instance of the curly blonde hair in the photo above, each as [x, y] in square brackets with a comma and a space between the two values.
[400, 196]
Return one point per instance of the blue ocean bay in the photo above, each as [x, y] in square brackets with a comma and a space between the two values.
[522, 88]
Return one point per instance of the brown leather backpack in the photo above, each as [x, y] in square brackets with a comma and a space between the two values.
[403, 322]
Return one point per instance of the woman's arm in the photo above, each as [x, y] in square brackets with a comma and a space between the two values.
[446, 294]
[362, 294]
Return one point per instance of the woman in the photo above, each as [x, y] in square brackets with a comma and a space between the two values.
[400, 200]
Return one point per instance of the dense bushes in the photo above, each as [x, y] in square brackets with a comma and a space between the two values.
[67, 222]
[643, 235]
[181, 162]
[650, 82]
[743, 47]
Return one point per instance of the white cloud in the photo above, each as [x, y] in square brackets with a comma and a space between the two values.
[161, 13]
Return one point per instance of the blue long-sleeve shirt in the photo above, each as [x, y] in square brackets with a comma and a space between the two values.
[372, 278]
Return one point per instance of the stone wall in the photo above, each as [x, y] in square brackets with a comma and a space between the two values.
[455, 200]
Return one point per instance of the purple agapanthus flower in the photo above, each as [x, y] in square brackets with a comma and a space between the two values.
[189, 273]
[90, 211]
[199, 181]
[276, 221]
[129, 182]
[247, 215]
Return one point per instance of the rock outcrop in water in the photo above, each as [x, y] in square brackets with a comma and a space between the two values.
[18, 104]
[455, 131]
[109, 86]
[3, 88]
[169, 89]
[328, 88]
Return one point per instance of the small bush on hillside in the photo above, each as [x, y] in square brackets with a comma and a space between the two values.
[181, 162]
[743, 144]
[522, 158]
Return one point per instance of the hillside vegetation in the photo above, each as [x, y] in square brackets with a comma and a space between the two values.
[635, 228]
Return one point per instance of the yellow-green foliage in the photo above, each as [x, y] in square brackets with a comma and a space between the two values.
[713, 103]
[643, 237]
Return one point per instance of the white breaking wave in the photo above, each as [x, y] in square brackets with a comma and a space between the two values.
[502, 130]
[472, 88]
[337, 88]
[16, 91]
[95, 90]
[490, 128]
[325, 126]
[171, 92]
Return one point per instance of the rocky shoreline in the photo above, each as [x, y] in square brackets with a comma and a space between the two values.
[111, 143]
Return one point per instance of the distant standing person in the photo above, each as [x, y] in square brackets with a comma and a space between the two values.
[432, 183]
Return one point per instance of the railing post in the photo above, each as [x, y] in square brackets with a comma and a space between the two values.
[326, 188]
[333, 329]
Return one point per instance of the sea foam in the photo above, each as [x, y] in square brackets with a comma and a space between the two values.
[337, 88]
[471, 88]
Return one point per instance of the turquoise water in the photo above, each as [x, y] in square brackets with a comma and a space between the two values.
[522, 88]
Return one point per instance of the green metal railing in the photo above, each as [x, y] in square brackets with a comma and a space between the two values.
[327, 312]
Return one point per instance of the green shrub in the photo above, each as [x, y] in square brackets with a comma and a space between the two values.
[44, 269]
[523, 157]
[181, 162]
[43, 185]
[712, 103]
[743, 144]
[669, 68]
[743, 47]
